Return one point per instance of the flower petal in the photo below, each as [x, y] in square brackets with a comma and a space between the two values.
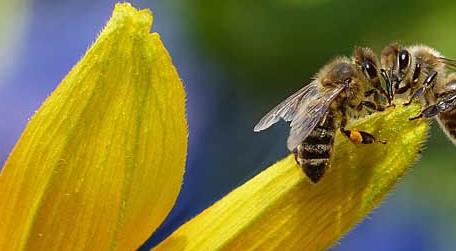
[280, 209]
[100, 164]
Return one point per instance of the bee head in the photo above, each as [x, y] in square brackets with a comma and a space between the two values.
[366, 61]
[395, 63]
[396, 60]
[367, 64]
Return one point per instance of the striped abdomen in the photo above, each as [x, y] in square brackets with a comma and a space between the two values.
[447, 121]
[314, 152]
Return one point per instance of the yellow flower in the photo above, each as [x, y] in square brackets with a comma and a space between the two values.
[100, 164]
[280, 209]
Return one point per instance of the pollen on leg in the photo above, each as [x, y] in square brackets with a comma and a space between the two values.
[356, 137]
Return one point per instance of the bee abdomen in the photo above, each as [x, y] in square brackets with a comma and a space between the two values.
[447, 121]
[315, 168]
[314, 159]
[314, 152]
[311, 151]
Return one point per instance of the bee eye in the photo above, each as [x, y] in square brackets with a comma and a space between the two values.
[369, 70]
[403, 59]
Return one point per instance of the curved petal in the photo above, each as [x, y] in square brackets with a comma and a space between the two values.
[100, 164]
[280, 209]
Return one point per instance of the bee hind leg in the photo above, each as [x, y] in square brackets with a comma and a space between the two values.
[358, 137]
[361, 137]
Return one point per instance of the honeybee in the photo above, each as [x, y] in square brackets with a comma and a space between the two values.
[339, 91]
[426, 75]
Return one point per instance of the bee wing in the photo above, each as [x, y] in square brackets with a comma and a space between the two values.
[308, 116]
[287, 109]
[451, 63]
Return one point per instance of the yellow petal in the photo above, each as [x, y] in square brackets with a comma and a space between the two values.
[280, 209]
[100, 164]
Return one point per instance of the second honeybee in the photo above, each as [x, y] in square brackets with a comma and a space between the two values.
[423, 73]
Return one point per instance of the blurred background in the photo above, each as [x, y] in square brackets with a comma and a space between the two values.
[238, 59]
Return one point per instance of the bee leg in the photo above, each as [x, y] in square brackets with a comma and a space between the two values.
[370, 105]
[427, 85]
[416, 75]
[415, 78]
[419, 92]
[358, 137]
[377, 94]
[428, 112]
[403, 89]
[361, 137]
[446, 103]
[370, 92]
[378, 101]
[378, 91]
[296, 155]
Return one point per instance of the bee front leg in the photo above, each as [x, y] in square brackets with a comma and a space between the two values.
[418, 93]
[403, 89]
[358, 137]
[427, 85]
[428, 112]
[408, 85]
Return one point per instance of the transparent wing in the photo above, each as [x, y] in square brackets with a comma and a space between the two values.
[451, 63]
[307, 117]
[287, 109]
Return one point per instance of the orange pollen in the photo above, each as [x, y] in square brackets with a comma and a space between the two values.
[356, 137]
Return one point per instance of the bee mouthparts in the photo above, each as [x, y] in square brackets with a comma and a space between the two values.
[389, 86]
